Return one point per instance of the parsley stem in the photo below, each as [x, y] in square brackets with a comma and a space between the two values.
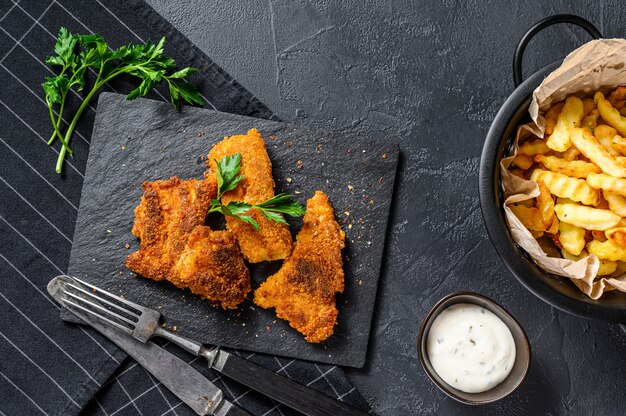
[57, 132]
[70, 130]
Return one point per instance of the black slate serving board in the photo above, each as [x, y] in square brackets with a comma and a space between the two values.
[144, 140]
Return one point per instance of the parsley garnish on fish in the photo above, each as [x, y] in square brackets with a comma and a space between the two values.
[76, 53]
[228, 178]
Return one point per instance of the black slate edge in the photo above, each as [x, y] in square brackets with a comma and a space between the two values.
[353, 355]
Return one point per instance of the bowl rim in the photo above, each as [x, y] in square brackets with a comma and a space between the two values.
[523, 268]
[444, 387]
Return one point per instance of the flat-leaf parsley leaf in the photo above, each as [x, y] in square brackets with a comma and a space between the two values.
[76, 53]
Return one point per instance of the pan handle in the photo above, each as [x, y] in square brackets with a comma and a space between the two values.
[542, 24]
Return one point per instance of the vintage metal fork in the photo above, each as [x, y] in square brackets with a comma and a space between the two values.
[143, 323]
[136, 320]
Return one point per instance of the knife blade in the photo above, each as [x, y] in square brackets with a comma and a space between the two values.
[195, 390]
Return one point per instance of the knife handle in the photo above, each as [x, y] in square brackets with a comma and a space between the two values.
[236, 411]
[303, 399]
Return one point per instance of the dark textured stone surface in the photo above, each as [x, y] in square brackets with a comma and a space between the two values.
[147, 140]
[431, 75]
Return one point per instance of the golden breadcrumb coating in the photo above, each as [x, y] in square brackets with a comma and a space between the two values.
[169, 210]
[303, 290]
[176, 247]
[273, 241]
[211, 266]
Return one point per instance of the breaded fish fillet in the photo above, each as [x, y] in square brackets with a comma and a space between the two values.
[176, 247]
[169, 210]
[273, 241]
[211, 266]
[303, 290]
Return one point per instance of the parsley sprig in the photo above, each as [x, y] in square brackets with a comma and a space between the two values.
[76, 53]
[228, 178]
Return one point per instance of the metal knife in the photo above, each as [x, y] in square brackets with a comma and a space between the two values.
[142, 323]
[195, 390]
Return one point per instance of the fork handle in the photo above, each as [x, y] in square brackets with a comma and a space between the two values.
[303, 399]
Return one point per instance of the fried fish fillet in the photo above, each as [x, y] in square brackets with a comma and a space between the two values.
[303, 290]
[169, 210]
[211, 266]
[273, 240]
[174, 246]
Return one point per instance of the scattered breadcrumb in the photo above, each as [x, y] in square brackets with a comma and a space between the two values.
[300, 165]
[385, 156]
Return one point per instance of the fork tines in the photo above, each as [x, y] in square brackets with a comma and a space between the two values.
[101, 304]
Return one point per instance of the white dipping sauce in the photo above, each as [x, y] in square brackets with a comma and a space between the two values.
[470, 348]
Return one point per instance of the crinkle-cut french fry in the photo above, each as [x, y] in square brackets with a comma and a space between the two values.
[561, 200]
[617, 235]
[599, 235]
[605, 133]
[554, 227]
[586, 217]
[623, 113]
[606, 267]
[621, 267]
[588, 106]
[528, 203]
[607, 250]
[590, 121]
[572, 168]
[572, 238]
[523, 161]
[530, 217]
[551, 117]
[610, 114]
[604, 130]
[591, 148]
[603, 204]
[607, 183]
[570, 117]
[533, 147]
[617, 95]
[571, 153]
[570, 256]
[619, 144]
[519, 173]
[565, 187]
[545, 204]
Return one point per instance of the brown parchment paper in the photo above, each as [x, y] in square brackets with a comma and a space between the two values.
[597, 65]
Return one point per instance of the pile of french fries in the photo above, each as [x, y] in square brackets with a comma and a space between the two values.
[580, 169]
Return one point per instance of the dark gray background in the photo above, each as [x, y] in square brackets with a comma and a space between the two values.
[431, 75]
